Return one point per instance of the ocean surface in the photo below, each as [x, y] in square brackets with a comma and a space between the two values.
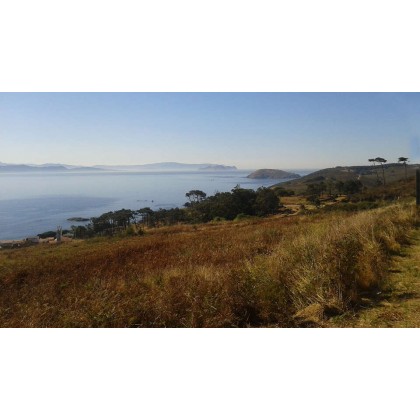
[32, 203]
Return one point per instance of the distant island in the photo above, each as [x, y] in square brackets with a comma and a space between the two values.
[272, 174]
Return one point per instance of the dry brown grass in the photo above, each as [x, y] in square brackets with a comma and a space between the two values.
[253, 273]
[398, 304]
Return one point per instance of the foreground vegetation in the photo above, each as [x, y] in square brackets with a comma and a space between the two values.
[275, 271]
[398, 303]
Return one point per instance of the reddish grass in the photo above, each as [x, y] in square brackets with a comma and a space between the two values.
[252, 273]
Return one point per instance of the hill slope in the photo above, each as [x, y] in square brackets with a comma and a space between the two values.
[368, 175]
[256, 273]
[272, 174]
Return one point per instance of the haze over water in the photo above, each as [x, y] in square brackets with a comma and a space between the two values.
[32, 203]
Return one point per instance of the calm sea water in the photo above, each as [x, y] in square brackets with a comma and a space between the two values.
[32, 203]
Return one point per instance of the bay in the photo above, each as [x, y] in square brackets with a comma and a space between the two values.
[32, 203]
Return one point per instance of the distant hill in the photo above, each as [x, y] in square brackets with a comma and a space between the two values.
[368, 175]
[272, 174]
[29, 168]
[47, 167]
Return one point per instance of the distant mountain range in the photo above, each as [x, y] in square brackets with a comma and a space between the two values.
[168, 166]
[163, 166]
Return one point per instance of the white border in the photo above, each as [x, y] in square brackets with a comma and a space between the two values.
[218, 45]
[208, 46]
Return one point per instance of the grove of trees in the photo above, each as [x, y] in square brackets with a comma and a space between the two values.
[199, 209]
[315, 191]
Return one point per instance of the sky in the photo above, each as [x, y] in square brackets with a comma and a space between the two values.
[248, 130]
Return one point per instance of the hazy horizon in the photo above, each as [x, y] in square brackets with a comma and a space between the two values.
[99, 165]
[247, 130]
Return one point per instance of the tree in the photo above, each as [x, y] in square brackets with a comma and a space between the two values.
[313, 193]
[266, 202]
[124, 218]
[330, 186]
[339, 186]
[81, 232]
[147, 216]
[282, 192]
[404, 161]
[195, 196]
[373, 161]
[322, 187]
[352, 186]
[382, 161]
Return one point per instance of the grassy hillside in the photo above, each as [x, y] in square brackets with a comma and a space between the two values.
[276, 271]
[368, 175]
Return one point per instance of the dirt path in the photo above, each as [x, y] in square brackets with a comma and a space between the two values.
[398, 308]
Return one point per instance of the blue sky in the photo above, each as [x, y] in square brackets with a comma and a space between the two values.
[249, 130]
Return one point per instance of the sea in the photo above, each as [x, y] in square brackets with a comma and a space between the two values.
[33, 203]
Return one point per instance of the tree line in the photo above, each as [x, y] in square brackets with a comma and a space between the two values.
[200, 208]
